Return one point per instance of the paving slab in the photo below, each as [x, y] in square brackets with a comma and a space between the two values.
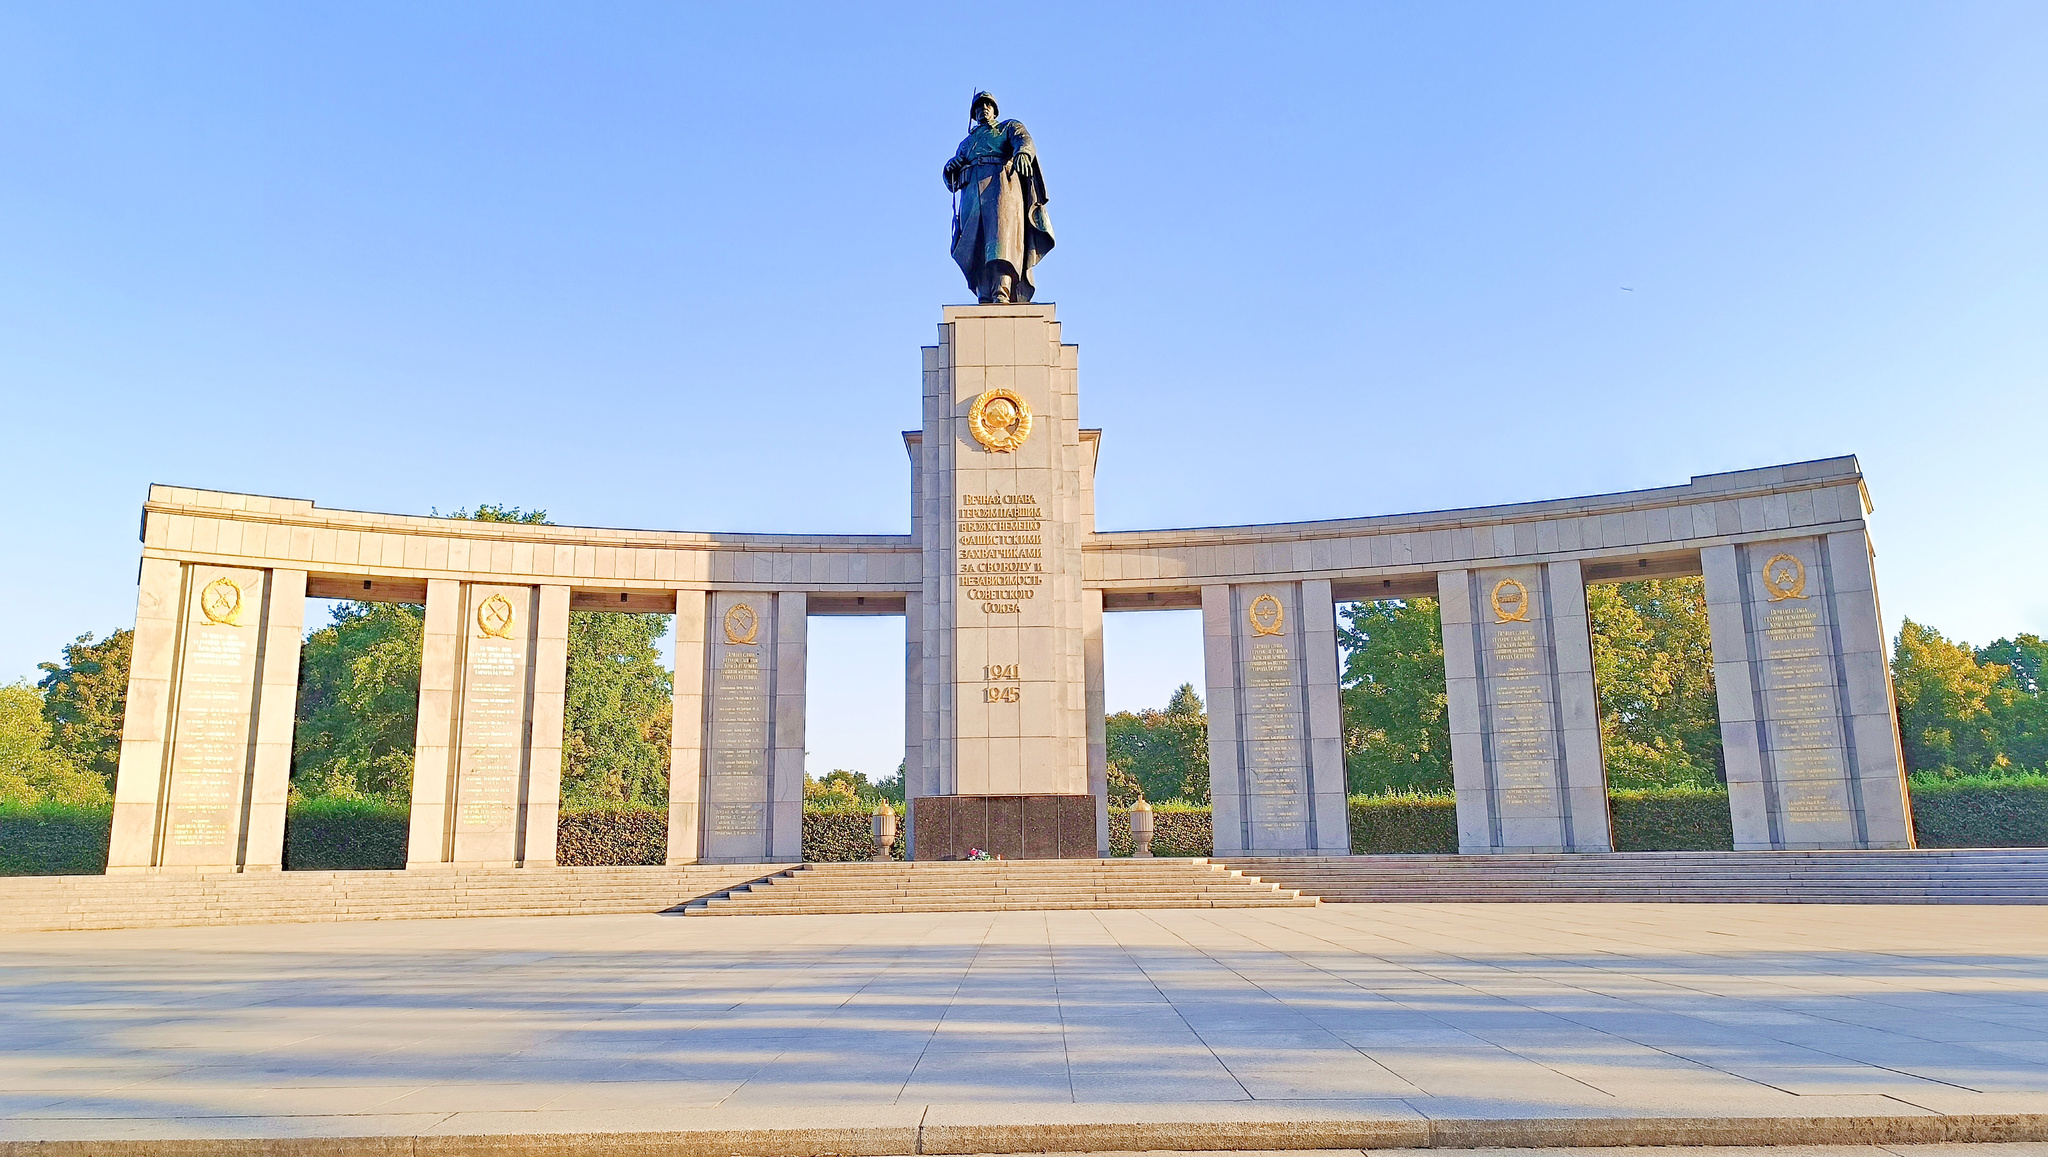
[1342, 1026]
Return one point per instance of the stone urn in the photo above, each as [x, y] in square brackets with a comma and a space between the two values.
[1141, 829]
[885, 831]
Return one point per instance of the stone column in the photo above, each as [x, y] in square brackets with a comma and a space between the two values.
[491, 661]
[687, 730]
[1809, 729]
[1276, 761]
[753, 729]
[1098, 735]
[1524, 715]
[428, 841]
[277, 705]
[786, 819]
[206, 743]
[542, 799]
[1001, 496]
[913, 721]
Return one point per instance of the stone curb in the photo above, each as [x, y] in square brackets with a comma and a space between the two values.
[1168, 1132]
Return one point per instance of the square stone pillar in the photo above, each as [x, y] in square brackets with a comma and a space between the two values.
[1276, 759]
[687, 730]
[753, 720]
[1001, 622]
[1809, 729]
[1098, 732]
[487, 751]
[913, 721]
[206, 742]
[1524, 714]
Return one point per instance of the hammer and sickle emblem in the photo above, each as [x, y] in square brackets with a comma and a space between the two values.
[741, 625]
[999, 420]
[1510, 602]
[221, 602]
[1785, 578]
[1267, 615]
[494, 618]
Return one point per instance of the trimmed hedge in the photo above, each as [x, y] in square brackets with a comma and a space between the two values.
[332, 834]
[842, 834]
[1980, 812]
[1178, 829]
[1671, 819]
[54, 840]
[325, 835]
[612, 837]
[1382, 824]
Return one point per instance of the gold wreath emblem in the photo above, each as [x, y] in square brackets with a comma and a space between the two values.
[1267, 615]
[221, 602]
[1000, 420]
[1509, 593]
[1785, 578]
[741, 625]
[494, 618]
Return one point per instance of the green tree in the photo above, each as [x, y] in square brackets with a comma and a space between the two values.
[32, 769]
[359, 690]
[1653, 666]
[2025, 655]
[85, 698]
[1163, 754]
[1949, 703]
[615, 729]
[1397, 734]
[492, 512]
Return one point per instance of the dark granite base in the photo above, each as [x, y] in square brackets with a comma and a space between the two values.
[1015, 827]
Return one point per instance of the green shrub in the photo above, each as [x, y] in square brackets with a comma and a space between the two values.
[612, 836]
[53, 839]
[1980, 811]
[329, 833]
[1178, 829]
[1403, 823]
[841, 834]
[1671, 819]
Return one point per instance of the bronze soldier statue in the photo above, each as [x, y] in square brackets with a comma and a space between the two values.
[1000, 227]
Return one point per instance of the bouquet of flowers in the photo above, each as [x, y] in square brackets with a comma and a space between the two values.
[978, 854]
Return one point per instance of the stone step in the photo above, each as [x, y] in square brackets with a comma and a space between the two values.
[1001, 886]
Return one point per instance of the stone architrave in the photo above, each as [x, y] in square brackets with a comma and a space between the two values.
[1808, 725]
[206, 743]
[1524, 717]
[1276, 754]
[753, 726]
[1001, 620]
[488, 749]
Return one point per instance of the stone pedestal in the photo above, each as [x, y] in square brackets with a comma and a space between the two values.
[1808, 725]
[487, 764]
[206, 745]
[736, 784]
[1524, 716]
[1001, 615]
[1276, 751]
[1013, 827]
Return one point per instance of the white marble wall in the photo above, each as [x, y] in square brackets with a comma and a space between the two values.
[1524, 715]
[1276, 758]
[1808, 727]
[206, 743]
[487, 756]
[1004, 703]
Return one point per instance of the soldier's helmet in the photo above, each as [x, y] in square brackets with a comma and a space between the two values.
[981, 97]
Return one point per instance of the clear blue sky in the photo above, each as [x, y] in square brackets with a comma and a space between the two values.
[657, 265]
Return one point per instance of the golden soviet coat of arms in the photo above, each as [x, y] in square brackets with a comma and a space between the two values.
[1785, 578]
[1267, 616]
[221, 602]
[1000, 420]
[494, 618]
[742, 625]
[1510, 602]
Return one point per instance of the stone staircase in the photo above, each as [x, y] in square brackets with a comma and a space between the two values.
[1000, 886]
[43, 903]
[1962, 876]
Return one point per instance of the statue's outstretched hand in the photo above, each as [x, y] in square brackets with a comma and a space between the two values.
[1021, 165]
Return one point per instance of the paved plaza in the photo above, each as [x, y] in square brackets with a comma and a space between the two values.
[1358, 1012]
